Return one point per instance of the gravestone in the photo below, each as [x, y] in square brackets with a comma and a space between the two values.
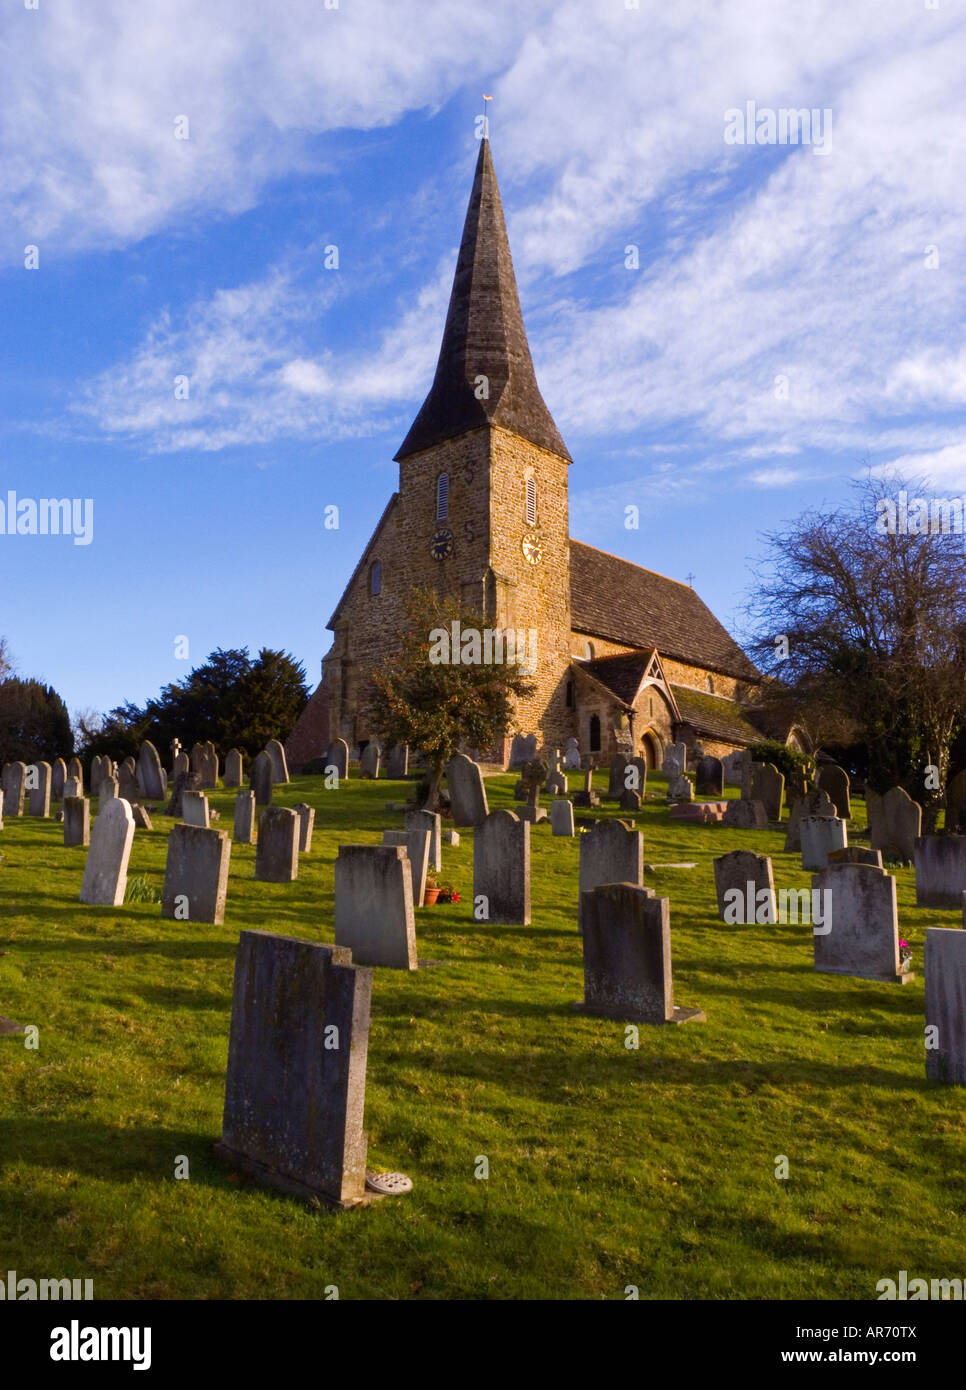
[630, 801]
[571, 757]
[208, 766]
[277, 851]
[956, 802]
[97, 772]
[195, 809]
[14, 783]
[467, 793]
[627, 956]
[234, 768]
[556, 783]
[431, 821]
[734, 768]
[615, 778]
[338, 757]
[184, 782]
[451, 837]
[108, 788]
[860, 935]
[73, 786]
[820, 835]
[370, 760]
[534, 777]
[679, 788]
[587, 797]
[105, 873]
[39, 804]
[709, 777]
[260, 779]
[150, 775]
[675, 761]
[142, 821]
[768, 787]
[944, 964]
[745, 887]
[244, 829]
[75, 769]
[856, 854]
[815, 803]
[276, 752]
[835, 780]
[397, 762]
[127, 780]
[940, 862]
[180, 762]
[416, 843]
[523, 749]
[745, 815]
[293, 1102]
[611, 852]
[58, 775]
[898, 823]
[635, 776]
[306, 817]
[197, 759]
[501, 868]
[77, 821]
[196, 874]
[374, 905]
[562, 817]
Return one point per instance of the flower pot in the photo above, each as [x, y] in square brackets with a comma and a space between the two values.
[430, 895]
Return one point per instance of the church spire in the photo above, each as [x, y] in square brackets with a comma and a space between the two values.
[484, 336]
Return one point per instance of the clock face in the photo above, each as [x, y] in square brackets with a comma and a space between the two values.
[532, 549]
[441, 546]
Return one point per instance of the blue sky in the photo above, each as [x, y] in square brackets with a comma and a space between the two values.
[842, 272]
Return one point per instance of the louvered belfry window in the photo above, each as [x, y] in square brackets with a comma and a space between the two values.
[442, 497]
[531, 501]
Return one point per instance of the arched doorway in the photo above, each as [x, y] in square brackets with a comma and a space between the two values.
[651, 750]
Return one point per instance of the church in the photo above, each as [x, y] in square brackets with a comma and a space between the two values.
[628, 659]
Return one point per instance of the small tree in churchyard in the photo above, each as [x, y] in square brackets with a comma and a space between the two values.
[438, 705]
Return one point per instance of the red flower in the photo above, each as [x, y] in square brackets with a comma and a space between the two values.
[455, 898]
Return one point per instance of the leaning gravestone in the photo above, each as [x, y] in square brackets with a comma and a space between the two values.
[142, 821]
[244, 830]
[745, 815]
[58, 776]
[956, 802]
[611, 852]
[835, 780]
[14, 783]
[277, 851]
[768, 786]
[39, 804]
[940, 871]
[820, 835]
[944, 964]
[397, 762]
[77, 821]
[627, 956]
[562, 817]
[293, 1102]
[709, 777]
[416, 843]
[338, 757]
[745, 887]
[895, 822]
[276, 752]
[149, 772]
[196, 874]
[260, 779]
[467, 793]
[431, 821]
[306, 817]
[195, 809]
[234, 768]
[501, 868]
[860, 934]
[374, 905]
[815, 803]
[105, 873]
[370, 760]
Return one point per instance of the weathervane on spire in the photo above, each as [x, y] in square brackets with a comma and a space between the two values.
[485, 123]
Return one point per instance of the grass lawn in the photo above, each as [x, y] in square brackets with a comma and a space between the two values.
[607, 1166]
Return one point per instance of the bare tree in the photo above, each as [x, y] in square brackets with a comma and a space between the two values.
[6, 660]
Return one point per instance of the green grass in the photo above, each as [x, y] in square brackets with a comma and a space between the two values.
[608, 1166]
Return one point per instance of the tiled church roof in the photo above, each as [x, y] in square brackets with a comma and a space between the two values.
[714, 717]
[484, 336]
[622, 674]
[619, 601]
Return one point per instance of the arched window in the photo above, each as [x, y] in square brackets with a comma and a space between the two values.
[594, 733]
[375, 577]
[531, 501]
[589, 651]
[442, 497]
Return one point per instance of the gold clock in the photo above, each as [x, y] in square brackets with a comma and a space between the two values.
[532, 549]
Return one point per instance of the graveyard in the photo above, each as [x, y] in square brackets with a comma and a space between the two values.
[550, 1157]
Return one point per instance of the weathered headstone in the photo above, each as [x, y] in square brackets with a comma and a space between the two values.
[108, 787]
[611, 852]
[898, 823]
[734, 767]
[451, 837]
[75, 769]
[195, 809]
[142, 821]
[556, 783]
[234, 768]
[562, 817]
[370, 760]
[397, 762]
[745, 887]
[820, 835]
[615, 778]
[431, 821]
[679, 788]
[276, 752]
[501, 868]
[745, 815]
[73, 786]
[338, 757]
[196, 874]
[815, 803]
[244, 831]
[523, 749]
[260, 779]
[208, 766]
[293, 1101]
[944, 965]
[856, 854]
[630, 801]
[149, 772]
[58, 775]
[571, 757]
[835, 780]
[77, 821]
[940, 862]
[416, 843]
[39, 804]
[374, 905]
[627, 956]
[306, 817]
[277, 851]
[183, 783]
[709, 777]
[675, 761]
[534, 778]
[860, 932]
[768, 786]
[467, 793]
[127, 780]
[14, 783]
[105, 873]
[197, 759]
